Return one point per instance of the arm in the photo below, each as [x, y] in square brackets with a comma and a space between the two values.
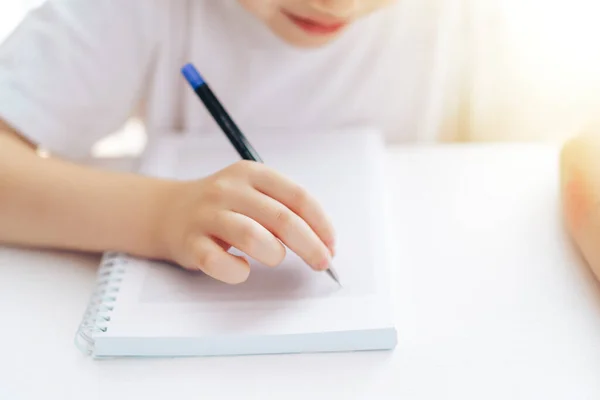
[71, 73]
[47, 202]
[101, 53]
[580, 187]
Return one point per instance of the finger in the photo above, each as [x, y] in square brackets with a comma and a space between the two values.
[288, 227]
[580, 184]
[580, 178]
[214, 261]
[588, 238]
[248, 236]
[297, 199]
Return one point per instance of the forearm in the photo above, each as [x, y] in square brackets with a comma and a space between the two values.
[46, 202]
[580, 183]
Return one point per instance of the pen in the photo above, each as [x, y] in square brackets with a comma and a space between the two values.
[233, 133]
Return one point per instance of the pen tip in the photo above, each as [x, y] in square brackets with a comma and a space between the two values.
[331, 272]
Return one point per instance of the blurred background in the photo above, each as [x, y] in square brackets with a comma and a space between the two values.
[11, 12]
[532, 68]
[126, 142]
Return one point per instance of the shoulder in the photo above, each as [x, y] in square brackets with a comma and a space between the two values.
[105, 15]
[73, 69]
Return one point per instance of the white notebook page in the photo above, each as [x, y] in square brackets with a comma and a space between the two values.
[342, 171]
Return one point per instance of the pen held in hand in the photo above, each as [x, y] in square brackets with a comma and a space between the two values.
[227, 125]
[220, 115]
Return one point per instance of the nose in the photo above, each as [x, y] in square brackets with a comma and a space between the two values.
[336, 8]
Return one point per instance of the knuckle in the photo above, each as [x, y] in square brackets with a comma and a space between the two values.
[194, 255]
[284, 220]
[249, 238]
[218, 218]
[200, 259]
[219, 190]
[256, 172]
[248, 167]
[208, 260]
[300, 198]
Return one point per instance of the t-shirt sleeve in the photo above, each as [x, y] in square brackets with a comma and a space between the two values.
[73, 71]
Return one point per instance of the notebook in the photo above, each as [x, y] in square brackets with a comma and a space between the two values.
[144, 308]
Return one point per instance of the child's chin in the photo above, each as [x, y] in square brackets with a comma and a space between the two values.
[304, 40]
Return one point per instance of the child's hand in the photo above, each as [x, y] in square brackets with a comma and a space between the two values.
[580, 176]
[252, 208]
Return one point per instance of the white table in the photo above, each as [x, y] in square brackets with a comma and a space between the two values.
[491, 303]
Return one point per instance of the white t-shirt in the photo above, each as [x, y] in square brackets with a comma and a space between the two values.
[75, 70]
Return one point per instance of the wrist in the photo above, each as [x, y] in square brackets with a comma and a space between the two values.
[153, 229]
[168, 232]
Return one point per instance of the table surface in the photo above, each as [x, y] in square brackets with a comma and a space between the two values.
[491, 302]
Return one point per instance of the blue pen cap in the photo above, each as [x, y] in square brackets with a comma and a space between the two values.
[192, 75]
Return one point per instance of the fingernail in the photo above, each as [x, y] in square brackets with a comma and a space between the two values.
[331, 246]
[323, 265]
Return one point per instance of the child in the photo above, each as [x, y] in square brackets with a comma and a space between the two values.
[75, 70]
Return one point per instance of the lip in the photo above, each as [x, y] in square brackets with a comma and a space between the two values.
[313, 26]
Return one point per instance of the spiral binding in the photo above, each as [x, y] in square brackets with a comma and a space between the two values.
[101, 304]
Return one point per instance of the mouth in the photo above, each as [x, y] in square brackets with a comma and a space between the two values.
[315, 27]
